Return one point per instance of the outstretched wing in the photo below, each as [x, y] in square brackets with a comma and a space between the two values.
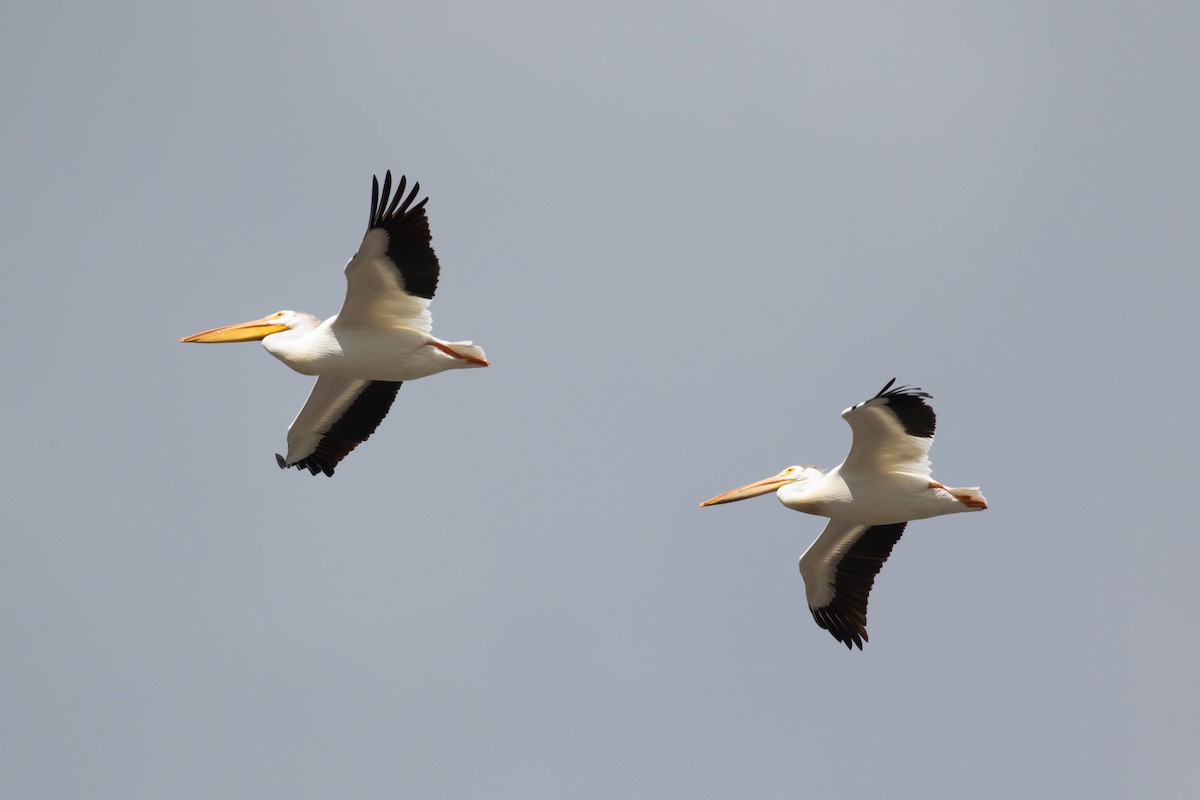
[392, 277]
[839, 569]
[339, 414]
[892, 432]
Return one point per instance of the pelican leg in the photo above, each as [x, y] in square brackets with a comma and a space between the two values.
[450, 351]
[969, 501]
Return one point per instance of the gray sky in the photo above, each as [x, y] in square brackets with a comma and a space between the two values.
[688, 236]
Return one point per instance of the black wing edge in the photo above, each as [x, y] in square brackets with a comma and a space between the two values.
[846, 615]
[354, 427]
[909, 406]
[410, 244]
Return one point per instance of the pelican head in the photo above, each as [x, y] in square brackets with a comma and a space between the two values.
[791, 475]
[257, 329]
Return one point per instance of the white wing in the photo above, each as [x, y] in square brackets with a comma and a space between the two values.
[339, 414]
[893, 432]
[394, 274]
[839, 569]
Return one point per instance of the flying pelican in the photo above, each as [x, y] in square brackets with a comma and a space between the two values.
[379, 339]
[883, 484]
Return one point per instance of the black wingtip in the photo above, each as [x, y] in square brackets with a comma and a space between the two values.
[314, 466]
[902, 391]
[409, 243]
[909, 406]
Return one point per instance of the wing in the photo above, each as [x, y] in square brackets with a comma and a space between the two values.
[340, 414]
[892, 432]
[839, 569]
[394, 274]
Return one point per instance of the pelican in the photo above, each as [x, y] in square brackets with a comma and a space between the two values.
[884, 483]
[380, 338]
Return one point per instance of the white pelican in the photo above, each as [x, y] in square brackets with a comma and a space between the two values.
[379, 339]
[869, 498]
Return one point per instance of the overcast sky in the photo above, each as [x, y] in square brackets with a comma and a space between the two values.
[688, 236]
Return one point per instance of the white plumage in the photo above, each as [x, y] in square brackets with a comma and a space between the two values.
[884, 483]
[380, 338]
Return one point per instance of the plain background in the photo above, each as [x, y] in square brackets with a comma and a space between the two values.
[688, 235]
